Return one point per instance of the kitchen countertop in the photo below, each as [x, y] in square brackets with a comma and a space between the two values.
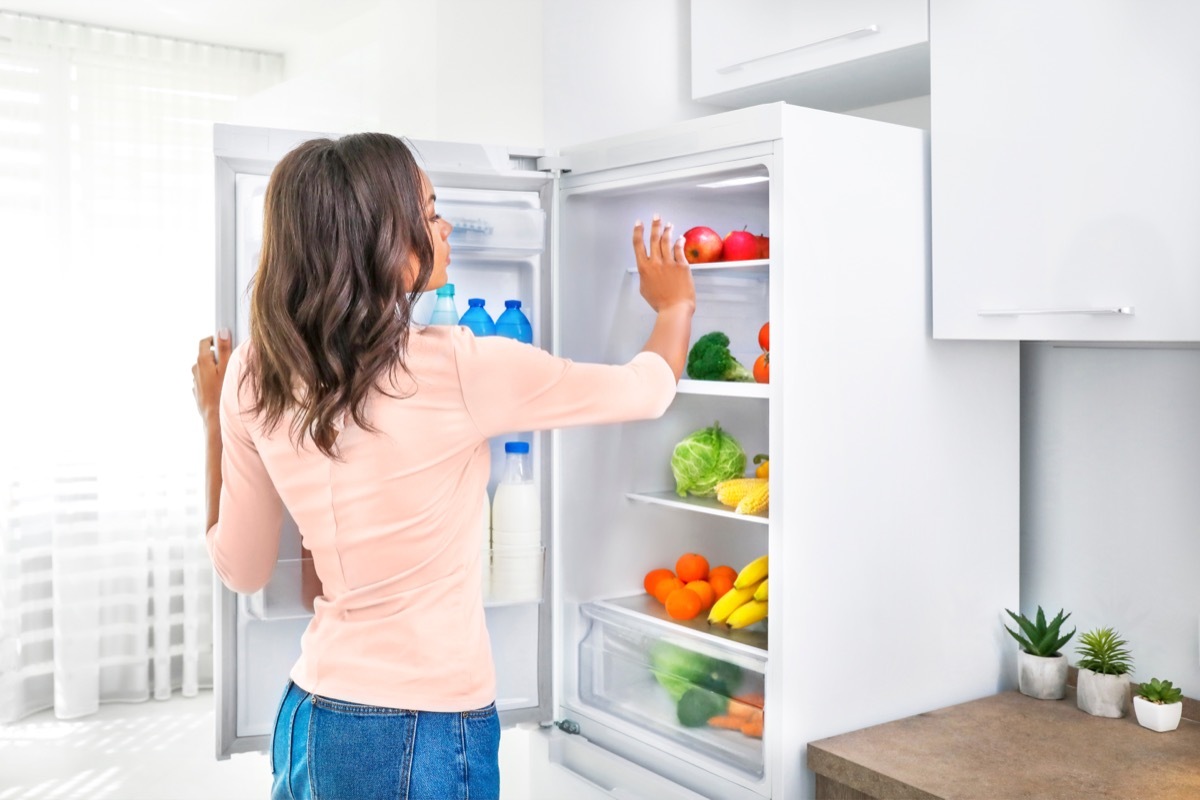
[1010, 746]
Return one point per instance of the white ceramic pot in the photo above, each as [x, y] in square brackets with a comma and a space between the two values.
[1102, 695]
[1042, 677]
[1156, 717]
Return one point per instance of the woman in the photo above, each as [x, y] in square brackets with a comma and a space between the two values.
[374, 435]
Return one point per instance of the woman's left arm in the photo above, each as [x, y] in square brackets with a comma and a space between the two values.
[208, 375]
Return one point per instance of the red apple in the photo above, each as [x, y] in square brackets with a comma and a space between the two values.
[701, 245]
[764, 246]
[740, 246]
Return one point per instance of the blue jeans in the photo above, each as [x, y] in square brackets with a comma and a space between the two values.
[325, 749]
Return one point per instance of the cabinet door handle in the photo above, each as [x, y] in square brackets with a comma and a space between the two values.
[867, 31]
[1108, 310]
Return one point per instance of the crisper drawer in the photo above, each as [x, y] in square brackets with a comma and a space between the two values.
[497, 229]
[703, 691]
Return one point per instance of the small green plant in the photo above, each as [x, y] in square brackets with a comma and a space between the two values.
[1040, 639]
[1104, 652]
[1161, 692]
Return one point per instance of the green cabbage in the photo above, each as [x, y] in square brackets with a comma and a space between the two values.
[704, 459]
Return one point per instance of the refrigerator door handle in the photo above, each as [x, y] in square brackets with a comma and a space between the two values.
[1100, 311]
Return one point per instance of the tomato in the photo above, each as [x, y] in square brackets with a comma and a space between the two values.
[762, 368]
[764, 337]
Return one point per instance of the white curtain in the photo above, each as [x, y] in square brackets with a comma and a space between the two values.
[106, 283]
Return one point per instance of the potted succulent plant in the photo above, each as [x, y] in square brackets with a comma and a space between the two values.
[1041, 668]
[1104, 667]
[1158, 705]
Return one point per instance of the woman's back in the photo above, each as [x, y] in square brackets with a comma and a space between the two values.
[393, 523]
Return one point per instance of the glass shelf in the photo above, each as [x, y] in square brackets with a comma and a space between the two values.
[701, 505]
[745, 646]
[756, 268]
[725, 388]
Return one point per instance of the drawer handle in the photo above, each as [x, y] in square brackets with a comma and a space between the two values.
[1113, 310]
[867, 31]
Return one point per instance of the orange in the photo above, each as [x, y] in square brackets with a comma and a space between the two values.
[706, 593]
[665, 587]
[730, 572]
[654, 576]
[720, 583]
[683, 604]
[691, 567]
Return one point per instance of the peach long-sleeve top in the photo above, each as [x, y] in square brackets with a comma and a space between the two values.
[394, 526]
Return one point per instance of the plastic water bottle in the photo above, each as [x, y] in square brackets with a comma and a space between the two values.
[513, 323]
[478, 320]
[517, 530]
[444, 312]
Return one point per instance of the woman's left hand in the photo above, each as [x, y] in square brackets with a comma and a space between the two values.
[208, 373]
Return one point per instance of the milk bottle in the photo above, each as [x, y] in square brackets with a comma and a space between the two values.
[517, 529]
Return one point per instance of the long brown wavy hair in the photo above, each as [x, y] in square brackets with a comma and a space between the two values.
[329, 317]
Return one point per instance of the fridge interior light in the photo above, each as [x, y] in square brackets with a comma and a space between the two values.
[743, 181]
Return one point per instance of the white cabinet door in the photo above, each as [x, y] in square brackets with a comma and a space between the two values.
[1065, 169]
[831, 54]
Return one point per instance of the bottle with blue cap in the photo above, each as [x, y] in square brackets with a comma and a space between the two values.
[513, 323]
[513, 512]
[517, 529]
[444, 312]
[477, 319]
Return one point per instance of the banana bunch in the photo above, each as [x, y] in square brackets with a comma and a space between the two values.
[746, 602]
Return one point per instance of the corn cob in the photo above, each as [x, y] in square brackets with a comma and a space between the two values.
[756, 500]
[732, 491]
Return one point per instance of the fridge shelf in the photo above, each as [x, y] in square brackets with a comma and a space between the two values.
[757, 268]
[759, 391]
[495, 229]
[746, 646]
[701, 505]
[673, 680]
[289, 593]
[513, 575]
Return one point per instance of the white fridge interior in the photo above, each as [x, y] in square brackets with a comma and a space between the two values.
[617, 513]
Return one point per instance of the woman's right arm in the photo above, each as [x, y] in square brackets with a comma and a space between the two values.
[509, 387]
[666, 283]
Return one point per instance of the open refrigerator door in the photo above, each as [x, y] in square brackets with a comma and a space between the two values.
[496, 199]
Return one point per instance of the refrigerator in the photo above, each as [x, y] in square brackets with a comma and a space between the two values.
[892, 529]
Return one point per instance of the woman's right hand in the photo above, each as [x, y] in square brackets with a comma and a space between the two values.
[666, 276]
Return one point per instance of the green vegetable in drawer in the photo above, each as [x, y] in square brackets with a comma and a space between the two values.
[677, 670]
[698, 705]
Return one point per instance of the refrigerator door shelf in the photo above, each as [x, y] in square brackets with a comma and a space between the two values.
[289, 593]
[679, 687]
[496, 229]
[513, 575]
[699, 505]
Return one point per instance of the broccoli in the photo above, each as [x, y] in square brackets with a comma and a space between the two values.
[710, 360]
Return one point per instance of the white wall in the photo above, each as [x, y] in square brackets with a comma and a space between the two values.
[456, 70]
[616, 66]
[1110, 518]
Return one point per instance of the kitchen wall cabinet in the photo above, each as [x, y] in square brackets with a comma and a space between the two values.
[830, 54]
[1065, 170]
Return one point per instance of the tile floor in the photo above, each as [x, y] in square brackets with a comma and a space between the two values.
[127, 751]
